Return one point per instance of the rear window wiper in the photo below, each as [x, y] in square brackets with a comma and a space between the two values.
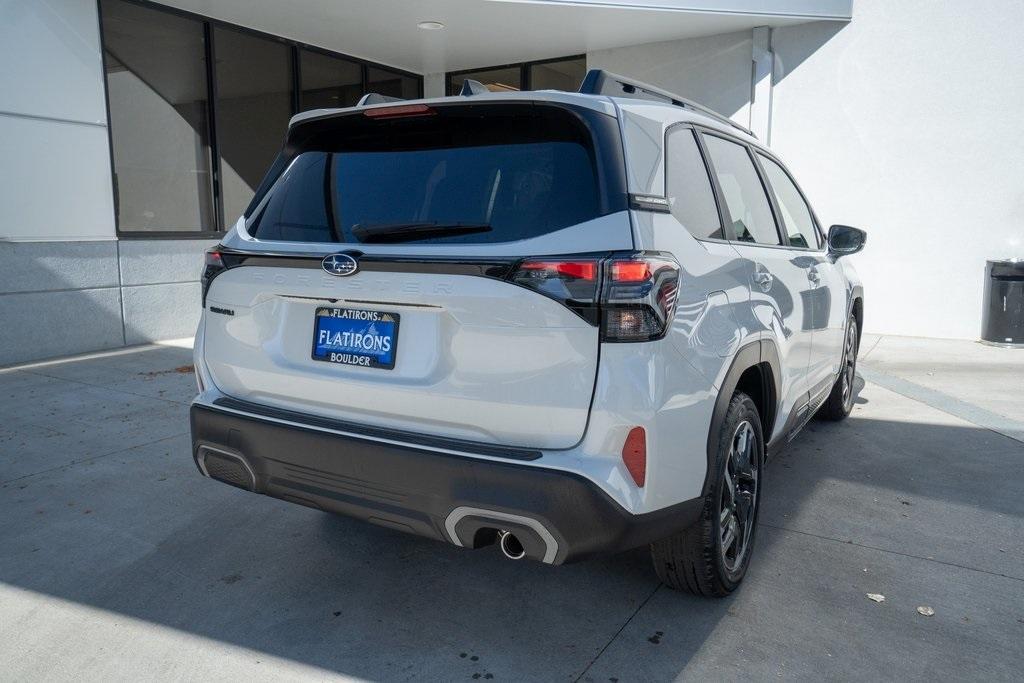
[410, 232]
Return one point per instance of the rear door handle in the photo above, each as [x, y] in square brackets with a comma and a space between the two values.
[763, 279]
[813, 276]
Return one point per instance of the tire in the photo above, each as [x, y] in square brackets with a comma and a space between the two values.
[693, 560]
[840, 400]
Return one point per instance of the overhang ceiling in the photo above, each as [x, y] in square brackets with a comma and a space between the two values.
[487, 32]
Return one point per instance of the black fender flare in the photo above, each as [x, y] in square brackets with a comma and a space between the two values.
[856, 292]
[750, 355]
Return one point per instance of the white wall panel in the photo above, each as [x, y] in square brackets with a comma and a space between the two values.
[714, 70]
[50, 61]
[54, 155]
[56, 181]
[906, 122]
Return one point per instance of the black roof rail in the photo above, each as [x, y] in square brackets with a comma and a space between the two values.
[376, 98]
[471, 87]
[601, 82]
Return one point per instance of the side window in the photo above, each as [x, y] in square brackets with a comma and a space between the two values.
[751, 213]
[688, 186]
[795, 213]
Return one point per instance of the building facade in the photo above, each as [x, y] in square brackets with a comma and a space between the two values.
[134, 133]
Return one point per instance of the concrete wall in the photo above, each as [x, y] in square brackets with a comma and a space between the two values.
[64, 297]
[905, 122]
[66, 284]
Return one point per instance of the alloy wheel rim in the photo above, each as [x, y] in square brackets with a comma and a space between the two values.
[738, 501]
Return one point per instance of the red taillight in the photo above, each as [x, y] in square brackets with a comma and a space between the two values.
[638, 299]
[399, 111]
[632, 297]
[630, 271]
[579, 270]
[214, 266]
[634, 455]
[571, 282]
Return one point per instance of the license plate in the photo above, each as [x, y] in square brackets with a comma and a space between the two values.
[352, 336]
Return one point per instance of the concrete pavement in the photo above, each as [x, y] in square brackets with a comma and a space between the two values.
[120, 561]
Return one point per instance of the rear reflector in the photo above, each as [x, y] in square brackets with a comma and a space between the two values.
[399, 111]
[634, 455]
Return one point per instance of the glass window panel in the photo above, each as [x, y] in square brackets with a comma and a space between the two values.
[156, 84]
[512, 176]
[297, 209]
[795, 212]
[688, 187]
[254, 103]
[564, 75]
[744, 195]
[496, 80]
[384, 82]
[329, 81]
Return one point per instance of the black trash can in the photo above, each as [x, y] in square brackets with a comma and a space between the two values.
[1003, 317]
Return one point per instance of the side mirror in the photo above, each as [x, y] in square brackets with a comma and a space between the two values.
[844, 240]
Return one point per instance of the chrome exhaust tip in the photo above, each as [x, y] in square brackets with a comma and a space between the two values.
[510, 545]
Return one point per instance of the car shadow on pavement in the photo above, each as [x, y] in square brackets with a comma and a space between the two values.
[140, 533]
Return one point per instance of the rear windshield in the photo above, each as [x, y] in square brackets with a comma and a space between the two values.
[462, 174]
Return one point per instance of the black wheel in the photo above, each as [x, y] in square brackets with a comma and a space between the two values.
[840, 401]
[711, 557]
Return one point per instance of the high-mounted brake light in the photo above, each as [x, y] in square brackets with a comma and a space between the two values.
[399, 111]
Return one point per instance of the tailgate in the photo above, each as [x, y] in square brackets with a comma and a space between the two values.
[476, 358]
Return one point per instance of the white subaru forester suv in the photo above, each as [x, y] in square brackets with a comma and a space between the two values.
[566, 323]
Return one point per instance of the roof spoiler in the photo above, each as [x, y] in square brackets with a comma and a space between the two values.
[469, 88]
[601, 82]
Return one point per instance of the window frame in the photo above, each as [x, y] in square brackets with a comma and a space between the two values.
[209, 23]
[819, 234]
[524, 70]
[730, 233]
[722, 215]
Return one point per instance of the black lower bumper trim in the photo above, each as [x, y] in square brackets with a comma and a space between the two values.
[510, 452]
[416, 490]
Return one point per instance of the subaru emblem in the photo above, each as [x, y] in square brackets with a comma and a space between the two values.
[339, 264]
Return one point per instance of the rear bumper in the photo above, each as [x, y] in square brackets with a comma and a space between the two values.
[559, 516]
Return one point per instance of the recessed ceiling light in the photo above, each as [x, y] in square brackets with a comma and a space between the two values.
[430, 25]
